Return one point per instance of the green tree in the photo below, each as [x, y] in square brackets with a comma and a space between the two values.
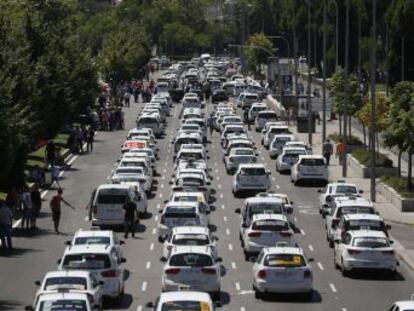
[261, 49]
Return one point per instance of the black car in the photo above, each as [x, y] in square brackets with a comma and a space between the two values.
[219, 95]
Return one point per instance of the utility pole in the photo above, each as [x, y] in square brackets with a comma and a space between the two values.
[337, 37]
[403, 58]
[324, 75]
[310, 116]
[346, 99]
[373, 104]
[387, 61]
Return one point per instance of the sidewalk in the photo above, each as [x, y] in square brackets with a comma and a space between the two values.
[387, 210]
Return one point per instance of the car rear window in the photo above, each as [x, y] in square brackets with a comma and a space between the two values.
[184, 305]
[180, 212]
[86, 262]
[93, 240]
[253, 171]
[243, 152]
[346, 189]
[71, 282]
[284, 260]
[106, 198]
[267, 115]
[363, 224]
[312, 162]
[370, 242]
[270, 225]
[354, 210]
[63, 305]
[190, 239]
[265, 208]
[191, 259]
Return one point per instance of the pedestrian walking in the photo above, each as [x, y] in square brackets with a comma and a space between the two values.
[89, 139]
[327, 150]
[26, 208]
[55, 206]
[50, 153]
[79, 139]
[55, 172]
[127, 98]
[36, 198]
[6, 226]
[340, 151]
[131, 212]
[210, 125]
[246, 118]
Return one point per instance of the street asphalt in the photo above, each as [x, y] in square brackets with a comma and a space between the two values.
[37, 253]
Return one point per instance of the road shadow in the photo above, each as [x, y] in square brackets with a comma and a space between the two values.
[124, 303]
[294, 298]
[213, 228]
[16, 252]
[6, 305]
[365, 275]
[30, 233]
[141, 228]
[225, 298]
[147, 215]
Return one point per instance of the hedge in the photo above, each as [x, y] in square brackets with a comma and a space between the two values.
[364, 157]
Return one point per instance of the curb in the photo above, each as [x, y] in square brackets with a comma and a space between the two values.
[401, 253]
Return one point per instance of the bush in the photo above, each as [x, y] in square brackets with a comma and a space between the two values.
[399, 184]
[363, 156]
[335, 137]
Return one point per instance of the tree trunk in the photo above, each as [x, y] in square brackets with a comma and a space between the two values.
[349, 127]
[364, 132]
[340, 124]
[378, 143]
[399, 162]
[410, 170]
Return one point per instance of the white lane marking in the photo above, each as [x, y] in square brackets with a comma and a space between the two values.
[108, 177]
[311, 248]
[225, 218]
[151, 246]
[219, 186]
[154, 231]
[73, 159]
[230, 247]
[262, 157]
[333, 288]
[158, 206]
[86, 218]
[221, 195]
[277, 187]
[242, 309]
[302, 232]
[164, 170]
[233, 265]
[222, 206]
[148, 265]
[237, 286]
[218, 178]
[273, 178]
[215, 163]
[139, 308]
[344, 309]
[228, 231]
[160, 196]
[156, 218]
[163, 177]
[296, 220]
[144, 286]
[162, 186]
[216, 170]
[320, 266]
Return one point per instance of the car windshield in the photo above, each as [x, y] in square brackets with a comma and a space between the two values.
[253, 171]
[107, 198]
[130, 170]
[63, 305]
[265, 208]
[270, 225]
[146, 121]
[355, 210]
[86, 262]
[281, 140]
[93, 240]
[190, 181]
[191, 259]
[71, 282]
[243, 152]
[312, 162]
[191, 156]
[370, 242]
[284, 260]
[184, 305]
[346, 189]
[180, 212]
[190, 239]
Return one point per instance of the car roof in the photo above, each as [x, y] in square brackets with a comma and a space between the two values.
[262, 200]
[352, 201]
[362, 217]
[181, 204]
[191, 230]
[183, 249]
[311, 156]
[283, 250]
[63, 296]
[251, 165]
[67, 273]
[94, 233]
[367, 233]
[405, 304]
[257, 217]
[184, 295]
[113, 186]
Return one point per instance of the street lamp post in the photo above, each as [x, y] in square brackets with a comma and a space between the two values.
[284, 39]
[252, 47]
[346, 97]
[310, 117]
[324, 75]
[373, 103]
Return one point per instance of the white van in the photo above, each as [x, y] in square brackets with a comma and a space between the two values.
[152, 122]
[108, 204]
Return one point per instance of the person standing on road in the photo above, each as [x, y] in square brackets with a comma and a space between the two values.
[6, 226]
[246, 118]
[50, 151]
[55, 206]
[340, 151]
[210, 125]
[89, 139]
[327, 150]
[131, 211]
[27, 208]
[36, 204]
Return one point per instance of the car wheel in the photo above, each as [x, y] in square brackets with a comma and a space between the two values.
[343, 270]
[215, 296]
[258, 294]
[331, 243]
[160, 239]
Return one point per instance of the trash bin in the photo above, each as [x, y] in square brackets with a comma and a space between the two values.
[302, 125]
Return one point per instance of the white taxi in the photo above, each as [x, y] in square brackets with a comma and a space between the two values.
[282, 269]
[102, 261]
[311, 168]
[288, 158]
[71, 282]
[403, 305]
[364, 249]
[62, 302]
[339, 187]
[265, 230]
[192, 268]
[251, 177]
[183, 300]
[190, 236]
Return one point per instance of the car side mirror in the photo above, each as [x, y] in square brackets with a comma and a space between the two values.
[216, 238]
[29, 308]
[319, 190]
[160, 211]
[123, 260]
[388, 227]
[121, 242]
[311, 259]
[37, 283]
[361, 191]
[237, 210]
[68, 243]
[208, 183]
[150, 305]
[59, 261]
[163, 259]
[391, 242]
[101, 283]
[171, 182]
[165, 201]
[219, 259]
[337, 241]
[244, 225]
